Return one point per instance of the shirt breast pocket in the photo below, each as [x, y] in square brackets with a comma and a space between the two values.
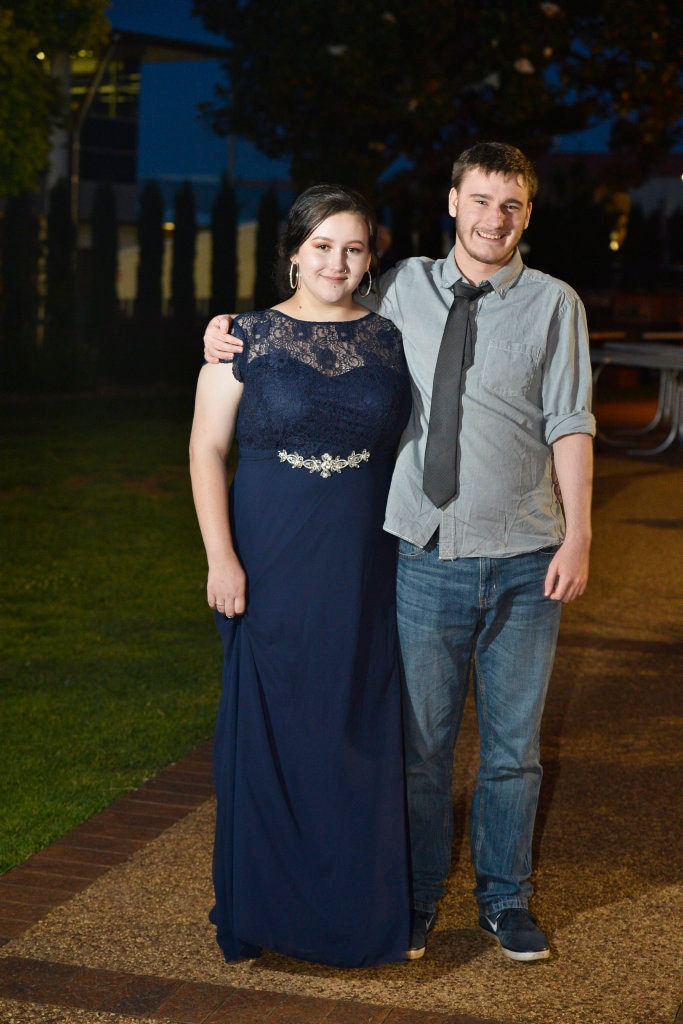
[510, 369]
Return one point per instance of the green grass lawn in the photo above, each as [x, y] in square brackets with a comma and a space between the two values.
[109, 661]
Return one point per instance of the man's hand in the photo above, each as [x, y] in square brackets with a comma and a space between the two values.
[567, 575]
[219, 343]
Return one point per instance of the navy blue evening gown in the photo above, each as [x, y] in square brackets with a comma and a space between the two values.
[310, 856]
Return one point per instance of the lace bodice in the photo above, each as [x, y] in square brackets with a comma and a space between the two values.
[320, 387]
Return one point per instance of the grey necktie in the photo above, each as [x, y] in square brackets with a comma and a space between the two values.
[440, 480]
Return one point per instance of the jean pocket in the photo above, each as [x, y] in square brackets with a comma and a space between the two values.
[410, 552]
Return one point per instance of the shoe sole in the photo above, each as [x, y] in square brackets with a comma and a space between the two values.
[418, 952]
[513, 954]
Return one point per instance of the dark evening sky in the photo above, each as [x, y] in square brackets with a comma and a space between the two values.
[173, 141]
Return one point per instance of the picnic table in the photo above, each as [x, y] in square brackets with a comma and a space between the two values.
[657, 350]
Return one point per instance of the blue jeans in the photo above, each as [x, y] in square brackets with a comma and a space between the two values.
[488, 614]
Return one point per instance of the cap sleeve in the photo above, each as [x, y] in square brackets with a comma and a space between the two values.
[240, 359]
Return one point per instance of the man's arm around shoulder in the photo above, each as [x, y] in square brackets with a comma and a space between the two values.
[219, 343]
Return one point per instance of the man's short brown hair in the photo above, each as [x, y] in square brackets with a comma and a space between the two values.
[496, 158]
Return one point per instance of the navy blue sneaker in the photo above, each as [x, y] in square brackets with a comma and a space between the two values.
[519, 936]
[421, 925]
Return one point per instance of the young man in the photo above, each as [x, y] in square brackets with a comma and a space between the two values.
[483, 572]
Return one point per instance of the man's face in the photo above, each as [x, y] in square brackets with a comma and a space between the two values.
[491, 211]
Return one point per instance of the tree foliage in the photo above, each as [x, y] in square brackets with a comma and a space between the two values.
[59, 25]
[31, 102]
[571, 210]
[350, 91]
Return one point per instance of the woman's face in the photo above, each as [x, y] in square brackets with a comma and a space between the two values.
[333, 259]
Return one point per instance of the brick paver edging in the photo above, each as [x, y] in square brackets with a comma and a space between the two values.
[180, 1002]
[54, 875]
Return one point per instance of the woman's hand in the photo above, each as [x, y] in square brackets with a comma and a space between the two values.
[226, 588]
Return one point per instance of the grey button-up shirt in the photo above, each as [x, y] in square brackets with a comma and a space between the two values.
[529, 385]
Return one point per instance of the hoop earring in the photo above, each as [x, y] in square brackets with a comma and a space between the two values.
[369, 288]
[293, 280]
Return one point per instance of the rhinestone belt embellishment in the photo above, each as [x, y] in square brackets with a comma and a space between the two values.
[326, 465]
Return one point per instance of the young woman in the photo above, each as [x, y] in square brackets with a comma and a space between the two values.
[310, 854]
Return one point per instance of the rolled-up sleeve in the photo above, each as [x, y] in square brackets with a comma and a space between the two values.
[567, 377]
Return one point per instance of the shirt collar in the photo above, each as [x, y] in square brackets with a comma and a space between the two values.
[502, 280]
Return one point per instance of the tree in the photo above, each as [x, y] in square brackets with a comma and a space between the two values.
[352, 92]
[151, 252]
[224, 249]
[28, 107]
[31, 99]
[573, 210]
[267, 237]
[643, 254]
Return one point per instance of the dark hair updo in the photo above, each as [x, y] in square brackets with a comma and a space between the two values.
[310, 209]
